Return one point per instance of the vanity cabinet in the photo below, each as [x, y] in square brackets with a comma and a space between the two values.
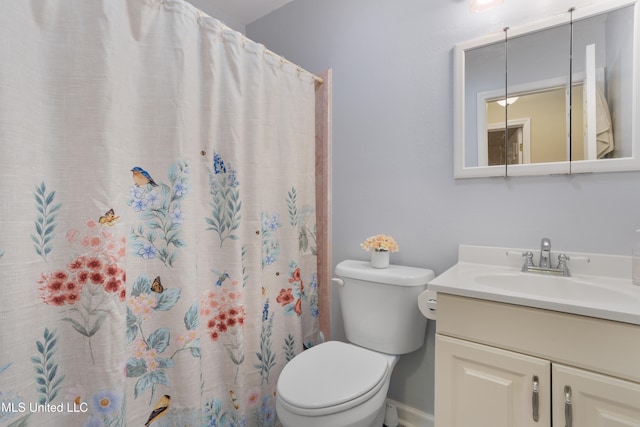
[502, 365]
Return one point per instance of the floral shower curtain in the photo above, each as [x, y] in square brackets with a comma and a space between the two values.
[157, 219]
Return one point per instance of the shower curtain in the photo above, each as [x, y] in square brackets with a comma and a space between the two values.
[157, 218]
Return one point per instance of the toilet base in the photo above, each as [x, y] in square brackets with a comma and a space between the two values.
[348, 418]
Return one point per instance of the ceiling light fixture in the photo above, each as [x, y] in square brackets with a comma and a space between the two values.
[508, 101]
[482, 5]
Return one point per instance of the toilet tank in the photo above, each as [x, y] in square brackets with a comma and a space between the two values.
[380, 306]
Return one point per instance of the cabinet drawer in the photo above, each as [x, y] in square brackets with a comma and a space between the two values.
[605, 346]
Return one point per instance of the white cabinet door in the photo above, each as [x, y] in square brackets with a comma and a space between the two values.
[482, 386]
[596, 400]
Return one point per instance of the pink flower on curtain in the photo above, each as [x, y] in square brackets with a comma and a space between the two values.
[90, 277]
[223, 314]
[285, 297]
[291, 298]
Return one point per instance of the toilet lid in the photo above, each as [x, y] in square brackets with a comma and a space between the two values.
[331, 374]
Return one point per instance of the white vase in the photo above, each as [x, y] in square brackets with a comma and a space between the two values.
[380, 259]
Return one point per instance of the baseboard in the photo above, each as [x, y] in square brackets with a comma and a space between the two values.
[411, 417]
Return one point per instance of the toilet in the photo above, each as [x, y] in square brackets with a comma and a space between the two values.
[338, 384]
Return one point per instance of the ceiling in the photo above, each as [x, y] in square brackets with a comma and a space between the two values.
[241, 11]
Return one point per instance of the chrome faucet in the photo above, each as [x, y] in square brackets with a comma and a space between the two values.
[545, 266]
[545, 253]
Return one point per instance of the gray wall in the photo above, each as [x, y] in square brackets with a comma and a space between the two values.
[229, 21]
[393, 154]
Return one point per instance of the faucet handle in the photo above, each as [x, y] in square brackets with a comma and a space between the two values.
[528, 261]
[562, 264]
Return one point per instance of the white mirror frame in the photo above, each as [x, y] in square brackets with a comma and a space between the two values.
[582, 166]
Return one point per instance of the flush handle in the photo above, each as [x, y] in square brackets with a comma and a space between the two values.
[568, 409]
[535, 399]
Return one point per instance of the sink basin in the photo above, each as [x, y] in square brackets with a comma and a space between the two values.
[600, 285]
[555, 287]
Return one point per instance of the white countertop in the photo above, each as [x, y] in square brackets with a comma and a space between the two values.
[600, 285]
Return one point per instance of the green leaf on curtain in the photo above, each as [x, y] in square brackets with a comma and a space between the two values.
[245, 276]
[165, 362]
[132, 326]
[293, 210]
[191, 319]
[136, 367]
[167, 299]
[159, 339]
[46, 368]
[299, 219]
[225, 203]
[289, 347]
[77, 326]
[45, 220]
[195, 348]
[266, 358]
[141, 285]
[149, 379]
[235, 358]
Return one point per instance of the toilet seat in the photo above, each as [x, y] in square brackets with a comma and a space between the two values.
[331, 377]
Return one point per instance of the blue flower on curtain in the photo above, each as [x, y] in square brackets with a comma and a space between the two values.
[107, 409]
[270, 245]
[161, 215]
[10, 400]
[225, 202]
[265, 416]
[313, 295]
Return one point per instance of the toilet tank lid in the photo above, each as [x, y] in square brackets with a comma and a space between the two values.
[394, 274]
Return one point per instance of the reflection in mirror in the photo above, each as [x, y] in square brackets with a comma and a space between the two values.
[538, 75]
[542, 115]
[603, 55]
[484, 73]
[542, 137]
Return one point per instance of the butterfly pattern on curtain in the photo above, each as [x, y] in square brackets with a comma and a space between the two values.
[91, 288]
[172, 288]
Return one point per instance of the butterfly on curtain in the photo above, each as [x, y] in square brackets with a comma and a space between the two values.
[109, 218]
[156, 286]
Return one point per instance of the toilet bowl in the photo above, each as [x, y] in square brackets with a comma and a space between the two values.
[337, 384]
[334, 384]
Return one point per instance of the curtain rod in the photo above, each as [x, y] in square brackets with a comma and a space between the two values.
[202, 15]
[319, 80]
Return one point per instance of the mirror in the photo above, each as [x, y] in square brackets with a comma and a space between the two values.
[563, 89]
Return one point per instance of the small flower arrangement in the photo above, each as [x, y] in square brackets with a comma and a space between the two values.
[380, 243]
